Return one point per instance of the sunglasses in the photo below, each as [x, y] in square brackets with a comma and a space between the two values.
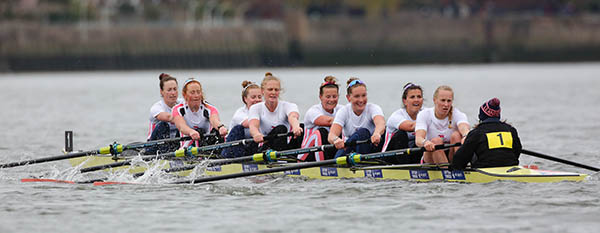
[357, 81]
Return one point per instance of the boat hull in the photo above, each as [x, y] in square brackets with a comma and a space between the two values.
[415, 172]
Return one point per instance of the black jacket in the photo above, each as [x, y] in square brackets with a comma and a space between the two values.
[489, 145]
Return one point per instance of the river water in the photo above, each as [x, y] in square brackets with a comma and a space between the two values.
[555, 108]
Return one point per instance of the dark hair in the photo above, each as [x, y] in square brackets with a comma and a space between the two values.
[247, 85]
[350, 87]
[330, 81]
[410, 86]
[165, 78]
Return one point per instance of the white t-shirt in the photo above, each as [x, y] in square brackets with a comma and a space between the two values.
[269, 120]
[196, 120]
[397, 118]
[315, 112]
[349, 121]
[240, 115]
[434, 127]
[156, 109]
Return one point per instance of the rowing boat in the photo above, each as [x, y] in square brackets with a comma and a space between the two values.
[412, 172]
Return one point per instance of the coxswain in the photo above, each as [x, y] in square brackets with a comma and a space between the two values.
[274, 116]
[441, 124]
[400, 127]
[358, 120]
[318, 120]
[491, 143]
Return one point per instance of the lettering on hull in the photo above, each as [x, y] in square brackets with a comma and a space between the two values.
[292, 172]
[249, 167]
[329, 171]
[214, 168]
[375, 173]
[453, 175]
[419, 174]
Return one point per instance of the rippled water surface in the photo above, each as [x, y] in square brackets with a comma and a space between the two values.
[554, 107]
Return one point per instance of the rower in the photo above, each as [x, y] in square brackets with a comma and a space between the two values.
[161, 119]
[441, 124]
[251, 94]
[358, 119]
[400, 131]
[273, 117]
[491, 143]
[195, 117]
[318, 120]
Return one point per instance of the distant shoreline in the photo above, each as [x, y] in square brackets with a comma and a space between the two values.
[299, 42]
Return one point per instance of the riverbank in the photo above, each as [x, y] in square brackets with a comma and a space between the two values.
[406, 38]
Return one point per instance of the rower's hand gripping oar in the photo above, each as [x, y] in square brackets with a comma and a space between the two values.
[552, 158]
[189, 152]
[267, 156]
[343, 160]
[111, 149]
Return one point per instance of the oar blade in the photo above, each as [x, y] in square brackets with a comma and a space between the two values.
[556, 159]
[30, 180]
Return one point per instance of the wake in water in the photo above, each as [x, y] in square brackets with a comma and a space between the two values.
[139, 171]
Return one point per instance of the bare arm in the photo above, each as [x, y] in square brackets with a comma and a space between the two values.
[294, 123]
[379, 129]
[324, 121]
[254, 130]
[184, 128]
[420, 137]
[164, 116]
[408, 126]
[463, 129]
[245, 123]
[334, 136]
[215, 122]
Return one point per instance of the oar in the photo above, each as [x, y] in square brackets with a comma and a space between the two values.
[344, 160]
[548, 157]
[111, 149]
[190, 151]
[258, 157]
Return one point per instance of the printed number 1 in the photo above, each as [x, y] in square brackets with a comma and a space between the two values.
[501, 141]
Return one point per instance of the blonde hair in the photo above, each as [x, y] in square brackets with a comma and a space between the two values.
[435, 95]
[247, 85]
[349, 88]
[269, 77]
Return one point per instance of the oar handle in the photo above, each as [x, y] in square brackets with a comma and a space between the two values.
[271, 137]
